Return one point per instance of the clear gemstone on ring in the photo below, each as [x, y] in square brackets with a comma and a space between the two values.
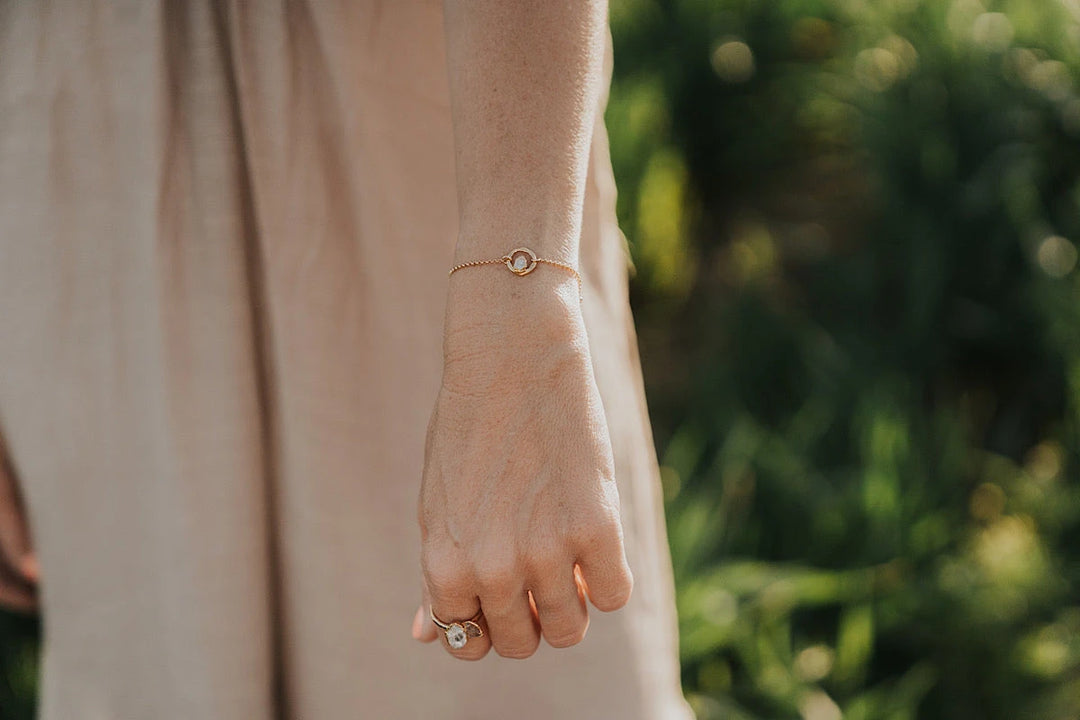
[456, 636]
[520, 261]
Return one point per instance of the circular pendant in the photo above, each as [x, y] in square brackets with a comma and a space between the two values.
[521, 261]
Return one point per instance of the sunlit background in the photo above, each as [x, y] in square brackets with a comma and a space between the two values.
[854, 225]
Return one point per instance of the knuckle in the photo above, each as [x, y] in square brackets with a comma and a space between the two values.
[434, 555]
[599, 532]
[548, 562]
[497, 577]
[444, 579]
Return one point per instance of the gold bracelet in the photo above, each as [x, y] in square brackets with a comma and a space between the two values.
[522, 261]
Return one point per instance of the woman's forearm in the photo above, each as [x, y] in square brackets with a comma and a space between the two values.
[524, 79]
[519, 508]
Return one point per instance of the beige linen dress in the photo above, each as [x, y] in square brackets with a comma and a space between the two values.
[225, 229]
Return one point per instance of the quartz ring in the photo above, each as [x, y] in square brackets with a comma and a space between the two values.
[459, 631]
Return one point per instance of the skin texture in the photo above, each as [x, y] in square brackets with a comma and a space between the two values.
[18, 566]
[519, 511]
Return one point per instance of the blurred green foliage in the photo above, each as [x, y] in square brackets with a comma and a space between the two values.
[859, 315]
[853, 223]
[18, 666]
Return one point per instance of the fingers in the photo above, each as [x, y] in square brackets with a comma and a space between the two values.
[458, 619]
[513, 627]
[451, 602]
[512, 622]
[14, 538]
[16, 593]
[29, 568]
[17, 599]
[514, 618]
[605, 572]
[560, 606]
[18, 565]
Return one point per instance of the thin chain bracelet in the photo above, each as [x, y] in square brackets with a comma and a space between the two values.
[522, 261]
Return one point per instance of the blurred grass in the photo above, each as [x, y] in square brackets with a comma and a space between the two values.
[859, 315]
[18, 666]
[854, 227]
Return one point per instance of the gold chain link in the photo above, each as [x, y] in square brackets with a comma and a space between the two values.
[474, 263]
[506, 259]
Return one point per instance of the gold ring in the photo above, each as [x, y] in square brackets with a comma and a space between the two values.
[459, 632]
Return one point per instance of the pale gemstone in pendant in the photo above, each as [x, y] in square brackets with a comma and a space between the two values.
[456, 636]
[520, 262]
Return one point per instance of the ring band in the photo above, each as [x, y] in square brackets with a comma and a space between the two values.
[459, 632]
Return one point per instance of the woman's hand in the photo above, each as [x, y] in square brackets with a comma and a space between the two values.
[519, 511]
[18, 566]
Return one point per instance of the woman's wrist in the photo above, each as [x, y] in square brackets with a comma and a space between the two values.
[552, 232]
[495, 319]
[493, 296]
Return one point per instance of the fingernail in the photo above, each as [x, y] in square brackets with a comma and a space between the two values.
[418, 623]
[29, 568]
